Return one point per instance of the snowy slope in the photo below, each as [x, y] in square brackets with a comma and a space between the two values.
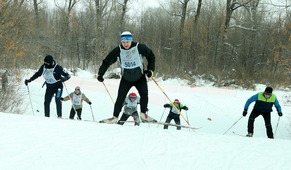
[33, 142]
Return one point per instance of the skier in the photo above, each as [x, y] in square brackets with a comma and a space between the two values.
[264, 102]
[77, 98]
[130, 109]
[54, 75]
[174, 114]
[130, 56]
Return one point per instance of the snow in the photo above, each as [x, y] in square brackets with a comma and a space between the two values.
[33, 142]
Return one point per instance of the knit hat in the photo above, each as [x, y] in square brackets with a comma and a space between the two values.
[268, 90]
[132, 96]
[49, 59]
[125, 36]
[176, 101]
[77, 88]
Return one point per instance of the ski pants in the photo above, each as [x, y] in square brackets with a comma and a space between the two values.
[73, 112]
[124, 87]
[124, 117]
[49, 94]
[267, 118]
[176, 119]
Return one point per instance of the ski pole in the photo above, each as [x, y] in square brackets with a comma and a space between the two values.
[186, 115]
[171, 102]
[277, 126]
[30, 100]
[161, 117]
[92, 113]
[108, 92]
[232, 125]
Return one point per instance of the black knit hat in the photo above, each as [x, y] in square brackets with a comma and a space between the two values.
[268, 90]
[49, 59]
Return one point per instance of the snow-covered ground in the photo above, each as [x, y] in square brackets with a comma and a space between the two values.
[33, 142]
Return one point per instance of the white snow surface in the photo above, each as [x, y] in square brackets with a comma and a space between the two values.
[31, 141]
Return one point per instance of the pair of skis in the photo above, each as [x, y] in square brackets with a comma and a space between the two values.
[169, 124]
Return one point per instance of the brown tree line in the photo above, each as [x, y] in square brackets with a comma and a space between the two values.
[238, 42]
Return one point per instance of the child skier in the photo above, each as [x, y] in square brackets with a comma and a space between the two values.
[130, 109]
[174, 114]
[77, 100]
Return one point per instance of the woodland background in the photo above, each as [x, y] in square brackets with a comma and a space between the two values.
[229, 42]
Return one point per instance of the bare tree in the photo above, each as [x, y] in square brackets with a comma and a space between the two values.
[198, 11]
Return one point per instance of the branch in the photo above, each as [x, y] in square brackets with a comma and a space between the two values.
[241, 27]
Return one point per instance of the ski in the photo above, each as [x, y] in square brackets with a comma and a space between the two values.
[238, 134]
[170, 124]
[163, 123]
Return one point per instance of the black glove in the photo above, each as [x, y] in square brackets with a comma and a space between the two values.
[100, 78]
[280, 114]
[63, 79]
[245, 112]
[89, 103]
[186, 108]
[61, 98]
[26, 81]
[166, 105]
[150, 73]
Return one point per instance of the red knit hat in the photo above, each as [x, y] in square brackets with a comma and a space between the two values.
[176, 101]
[132, 95]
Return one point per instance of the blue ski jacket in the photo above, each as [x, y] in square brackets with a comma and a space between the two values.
[263, 104]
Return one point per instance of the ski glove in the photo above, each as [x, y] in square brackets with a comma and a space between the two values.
[185, 108]
[280, 114]
[63, 79]
[245, 112]
[26, 81]
[61, 98]
[150, 73]
[166, 105]
[100, 78]
[89, 103]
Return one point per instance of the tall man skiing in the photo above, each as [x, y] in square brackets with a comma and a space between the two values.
[130, 56]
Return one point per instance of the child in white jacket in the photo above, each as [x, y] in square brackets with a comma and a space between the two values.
[130, 109]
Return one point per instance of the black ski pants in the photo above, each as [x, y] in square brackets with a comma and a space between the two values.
[73, 112]
[267, 118]
[49, 94]
[176, 119]
[124, 87]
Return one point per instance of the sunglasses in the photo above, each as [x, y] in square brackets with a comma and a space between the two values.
[77, 89]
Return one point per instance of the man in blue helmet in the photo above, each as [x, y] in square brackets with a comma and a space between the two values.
[130, 56]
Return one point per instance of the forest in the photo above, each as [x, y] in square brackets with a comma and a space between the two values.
[229, 42]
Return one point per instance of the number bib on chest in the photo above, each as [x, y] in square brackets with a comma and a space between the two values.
[77, 99]
[48, 75]
[130, 59]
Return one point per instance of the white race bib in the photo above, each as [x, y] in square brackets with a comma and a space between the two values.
[48, 75]
[77, 99]
[130, 59]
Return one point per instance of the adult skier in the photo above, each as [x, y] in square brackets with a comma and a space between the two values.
[264, 102]
[130, 55]
[54, 76]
